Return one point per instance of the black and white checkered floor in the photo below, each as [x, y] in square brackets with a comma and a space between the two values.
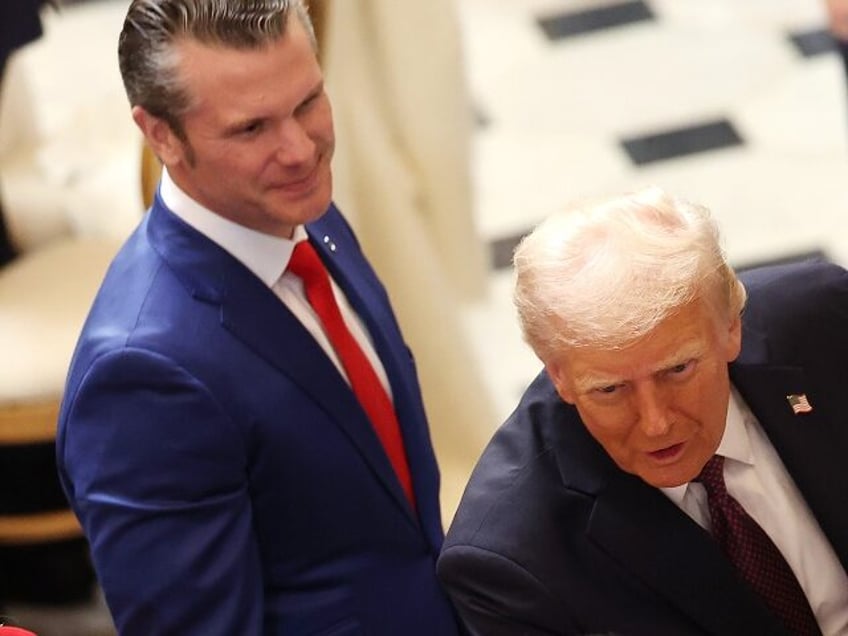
[737, 105]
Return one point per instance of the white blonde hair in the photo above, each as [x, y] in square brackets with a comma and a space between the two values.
[606, 273]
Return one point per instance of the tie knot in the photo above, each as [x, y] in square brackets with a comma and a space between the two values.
[712, 475]
[305, 262]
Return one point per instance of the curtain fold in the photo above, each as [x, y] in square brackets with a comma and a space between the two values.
[402, 176]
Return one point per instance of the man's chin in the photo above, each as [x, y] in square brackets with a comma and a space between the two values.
[667, 476]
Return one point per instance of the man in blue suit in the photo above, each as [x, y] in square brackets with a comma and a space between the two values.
[225, 472]
[598, 507]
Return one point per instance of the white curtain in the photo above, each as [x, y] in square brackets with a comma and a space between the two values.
[395, 74]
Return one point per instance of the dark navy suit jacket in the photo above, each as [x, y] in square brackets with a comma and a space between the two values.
[551, 537]
[222, 469]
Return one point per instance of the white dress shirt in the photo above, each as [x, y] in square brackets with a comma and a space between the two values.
[756, 477]
[268, 257]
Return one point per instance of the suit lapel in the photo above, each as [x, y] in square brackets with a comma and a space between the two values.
[640, 528]
[368, 298]
[809, 444]
[254, 315]
[350, 273]
[643, 531]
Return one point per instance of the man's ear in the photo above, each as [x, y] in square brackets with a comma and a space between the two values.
[734, 339]
[160, 136]
[557, 376]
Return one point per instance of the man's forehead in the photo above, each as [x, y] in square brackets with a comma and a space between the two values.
[674, 341]
[246, 75]
[628, 364]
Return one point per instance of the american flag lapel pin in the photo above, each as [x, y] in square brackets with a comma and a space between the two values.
[799, 403]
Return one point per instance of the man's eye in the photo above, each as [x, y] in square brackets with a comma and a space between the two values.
[606, 390]
[252, 128]
[681, 369]
[309, 101]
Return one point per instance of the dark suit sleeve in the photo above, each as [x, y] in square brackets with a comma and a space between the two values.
[156, 471]
[497, 597]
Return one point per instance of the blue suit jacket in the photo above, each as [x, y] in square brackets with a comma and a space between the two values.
[224, 472]
[551, 537]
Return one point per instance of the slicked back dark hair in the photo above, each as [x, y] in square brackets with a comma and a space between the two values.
[147, 52]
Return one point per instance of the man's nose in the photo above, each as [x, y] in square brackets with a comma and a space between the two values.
[652, 408]
[295, 144]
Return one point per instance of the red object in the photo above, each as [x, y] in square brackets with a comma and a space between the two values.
[306, 264]
[754, 554]
[5, 630]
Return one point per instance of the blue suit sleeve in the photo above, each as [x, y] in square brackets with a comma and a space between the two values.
[157, 473]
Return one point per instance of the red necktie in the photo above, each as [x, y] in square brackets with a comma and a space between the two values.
[306, 265]
[754, 554]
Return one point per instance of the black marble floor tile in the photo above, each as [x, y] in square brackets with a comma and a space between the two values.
[563, 25]
[501, 250]
[814, 42]
[680, 142]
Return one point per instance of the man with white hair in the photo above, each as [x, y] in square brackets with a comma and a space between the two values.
[678, 466]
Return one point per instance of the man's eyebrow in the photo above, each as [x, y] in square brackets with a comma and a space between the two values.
[592, 381]
[686, 352]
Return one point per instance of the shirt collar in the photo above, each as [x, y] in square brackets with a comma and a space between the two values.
[735, 443]
[265, 255]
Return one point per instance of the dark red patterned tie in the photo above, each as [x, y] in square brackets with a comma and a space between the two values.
[306, 265]
[754, 554]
